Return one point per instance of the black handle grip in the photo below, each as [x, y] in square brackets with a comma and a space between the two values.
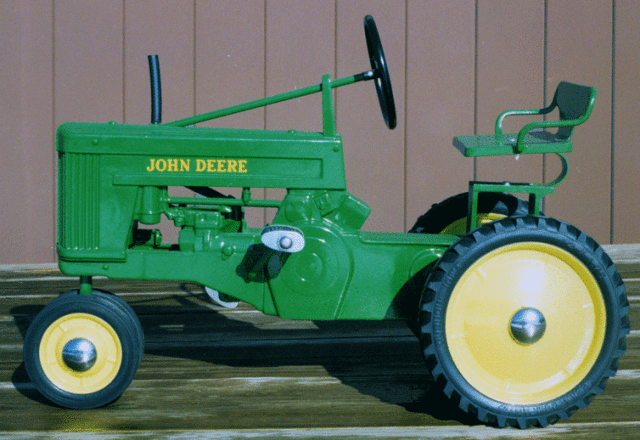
[156, 90]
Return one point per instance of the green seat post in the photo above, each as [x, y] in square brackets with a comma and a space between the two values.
[535, 200]
[472, 210]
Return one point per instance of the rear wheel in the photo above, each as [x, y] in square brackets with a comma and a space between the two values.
[82, 351]
[450, 215]
[523, 321]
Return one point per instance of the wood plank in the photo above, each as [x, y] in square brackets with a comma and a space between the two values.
[300, 49]
[311, 399]
[26, 132]
[230, 70]
[240, 371]
[583, 431]
[88, 62]
[163, 28]
[440, 101]
[626, 225]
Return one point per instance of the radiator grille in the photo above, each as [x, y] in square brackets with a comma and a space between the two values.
[78, 207]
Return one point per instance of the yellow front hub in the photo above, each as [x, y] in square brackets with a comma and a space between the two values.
[459, 227]
[531, 279]
[95, 333]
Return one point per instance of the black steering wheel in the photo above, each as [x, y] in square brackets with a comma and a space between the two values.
[380, 72]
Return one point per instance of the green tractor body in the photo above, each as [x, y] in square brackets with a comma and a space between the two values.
[115, 178]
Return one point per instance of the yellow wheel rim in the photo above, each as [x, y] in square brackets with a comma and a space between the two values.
[92, 329]
[480, 312]
[459, 227]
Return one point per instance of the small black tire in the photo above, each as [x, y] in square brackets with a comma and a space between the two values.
[450, 215]
[115, 340]
[470, 338]
[131, 315]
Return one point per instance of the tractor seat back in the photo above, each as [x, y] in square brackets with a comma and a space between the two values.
[575, 103]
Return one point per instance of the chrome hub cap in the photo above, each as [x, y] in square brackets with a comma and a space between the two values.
[79, 354]
[528, 326]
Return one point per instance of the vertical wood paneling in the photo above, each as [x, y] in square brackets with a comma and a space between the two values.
[229, 69]
[26, 141]
[300, 49]
[86, 60]
[165, 28]
[440, 101]
[374, 155]
[626, 221]
[579, 50]
[510, 76]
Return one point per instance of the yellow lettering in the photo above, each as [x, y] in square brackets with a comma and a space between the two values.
[161, 165]
[174, 165]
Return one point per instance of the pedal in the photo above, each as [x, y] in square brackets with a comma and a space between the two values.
[282, 238]
[215, 297]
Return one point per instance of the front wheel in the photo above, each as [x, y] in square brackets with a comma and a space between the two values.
[82, 351]
[523, 321]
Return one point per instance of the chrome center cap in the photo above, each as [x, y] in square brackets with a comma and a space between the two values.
[79, 354]
[528, 326]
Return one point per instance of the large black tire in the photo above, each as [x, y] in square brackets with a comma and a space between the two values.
[471, 321]
[450, 215]
[101, 321]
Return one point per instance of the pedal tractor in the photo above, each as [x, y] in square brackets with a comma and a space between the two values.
[522, 318]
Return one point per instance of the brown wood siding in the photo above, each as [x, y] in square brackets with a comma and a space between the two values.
[454, 66]
[626, 123]
[27, 204]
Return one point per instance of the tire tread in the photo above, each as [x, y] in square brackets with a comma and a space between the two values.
[451, 259]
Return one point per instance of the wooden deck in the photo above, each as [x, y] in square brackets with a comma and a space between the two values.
[209, 372]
